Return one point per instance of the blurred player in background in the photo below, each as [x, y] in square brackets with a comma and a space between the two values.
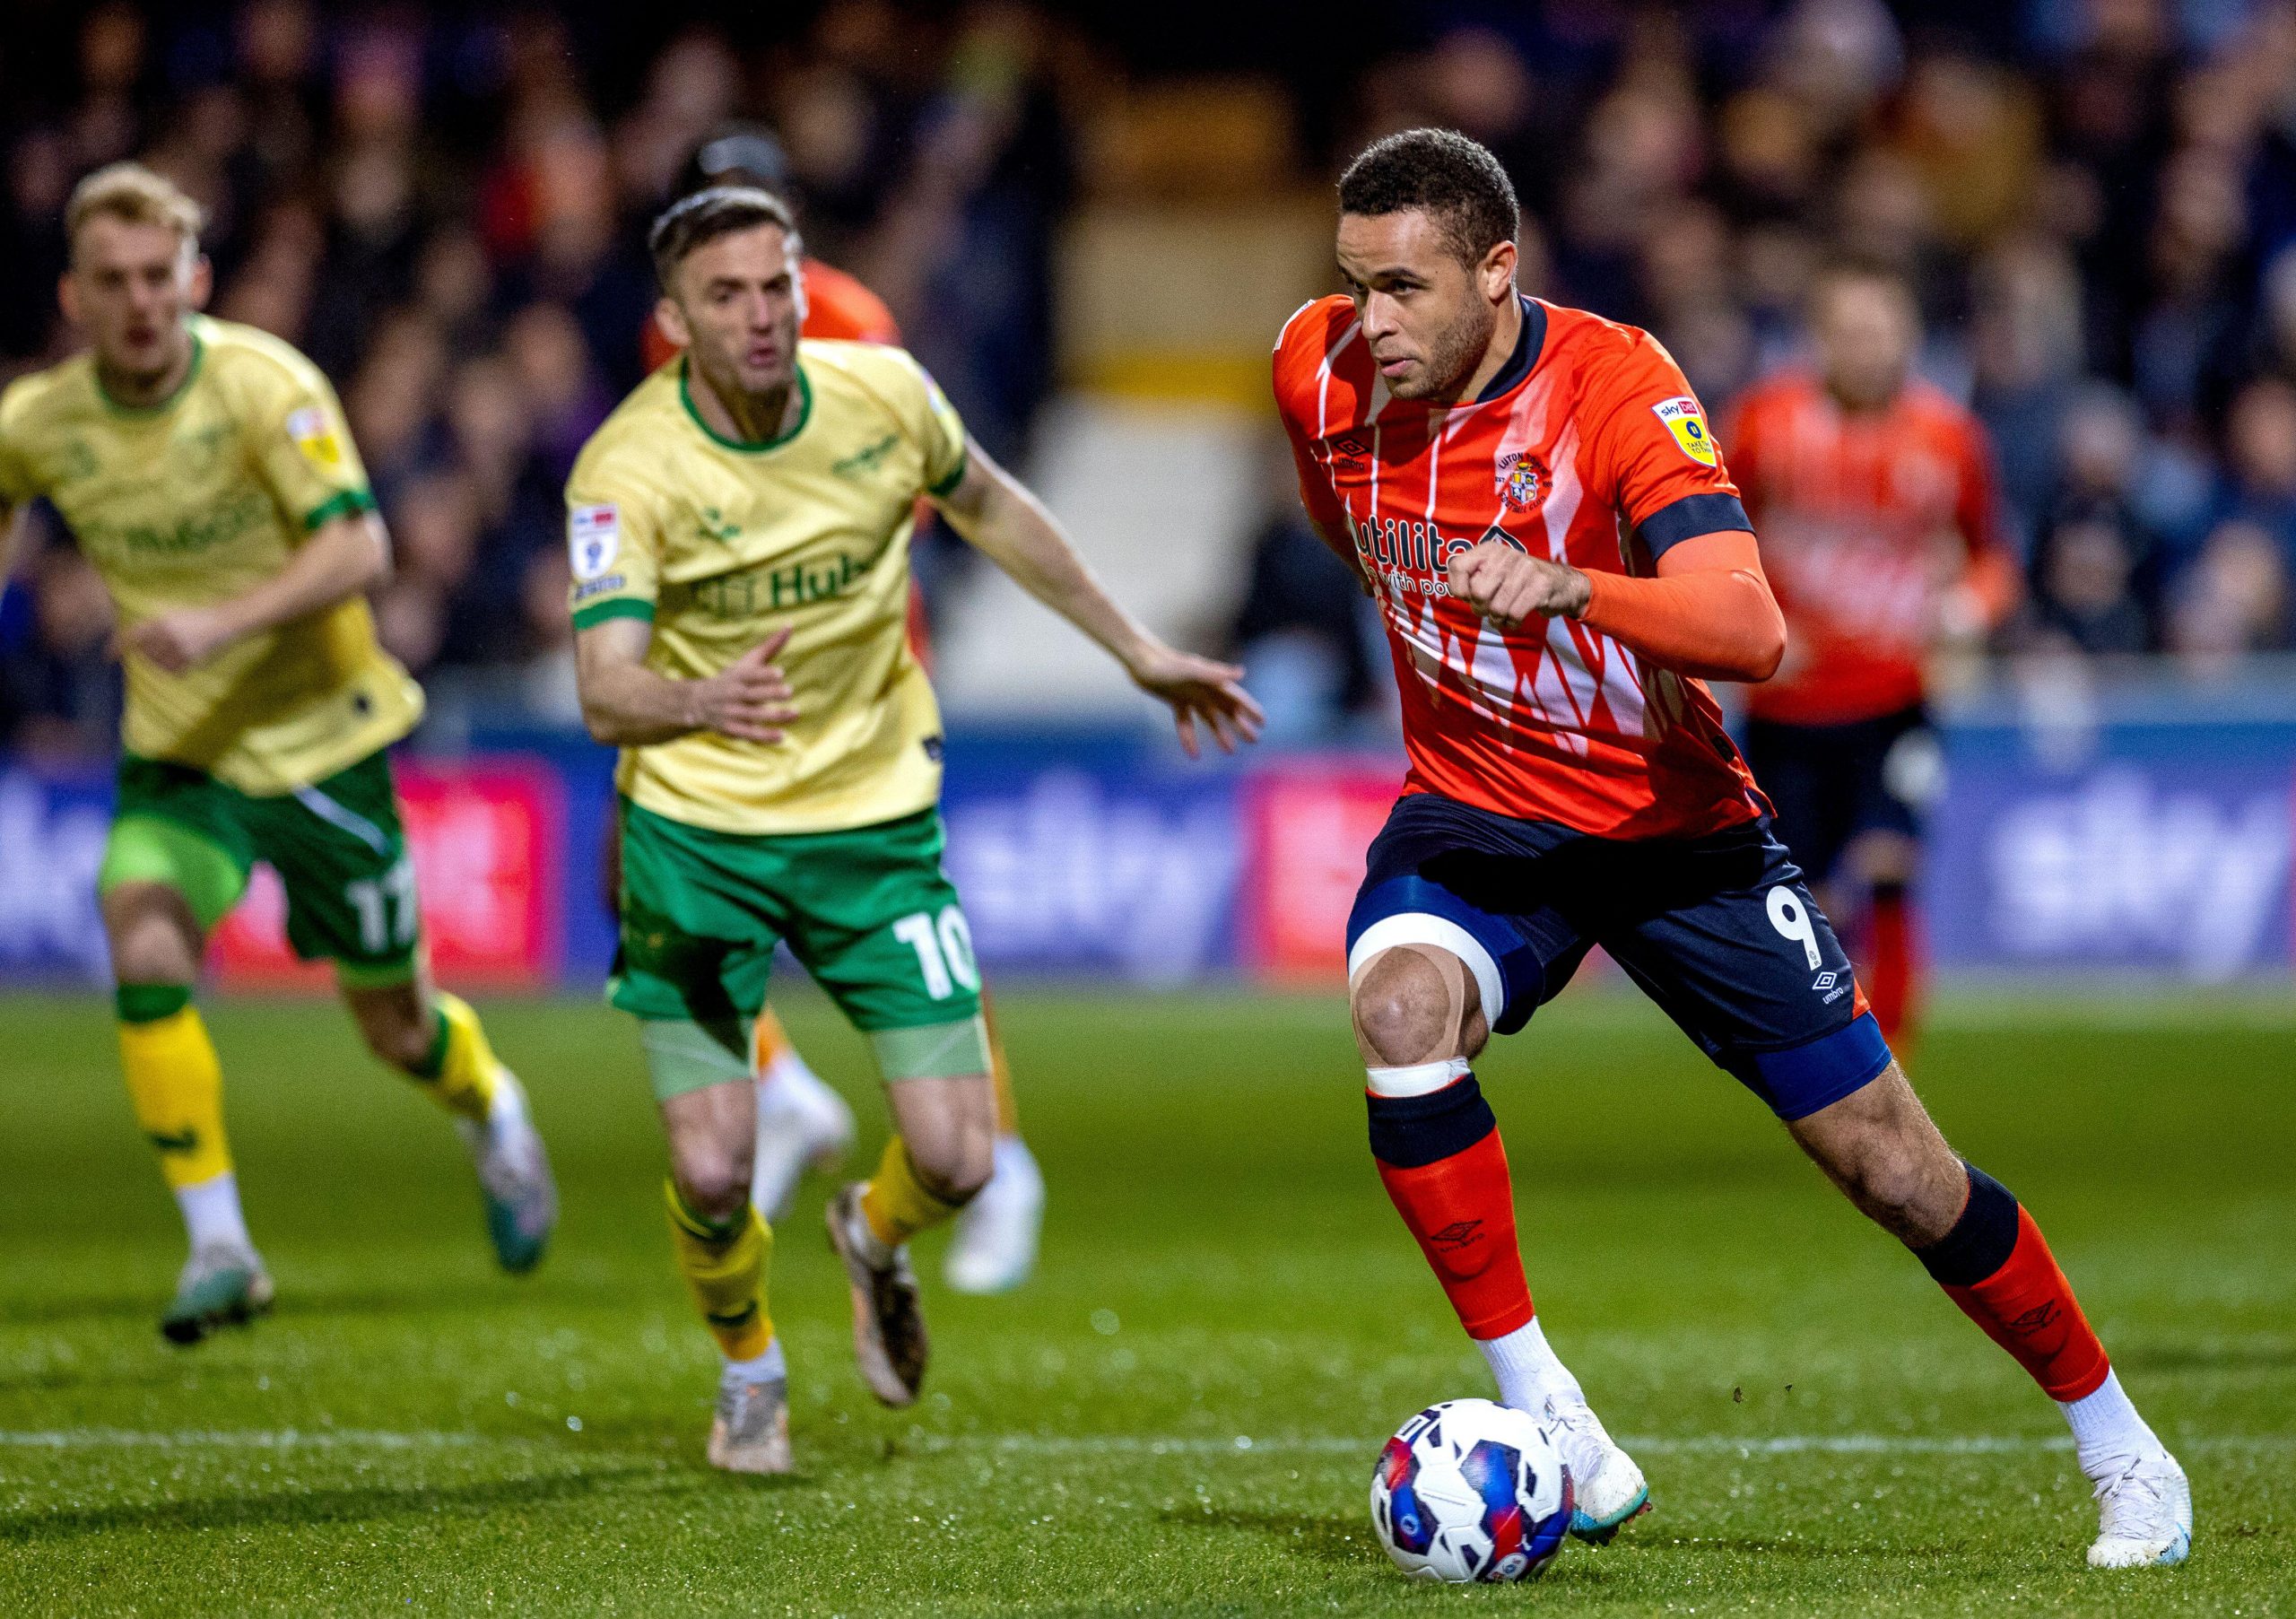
[1881, 530]
[206, 470]
[1561, 558]
[801, 1122]
[747, 510]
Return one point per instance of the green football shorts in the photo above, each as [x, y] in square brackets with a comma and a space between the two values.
[868, 911]
[337, 845]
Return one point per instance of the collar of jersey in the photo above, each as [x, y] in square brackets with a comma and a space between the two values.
[190, 376]
[805, 414]
[1530, 341]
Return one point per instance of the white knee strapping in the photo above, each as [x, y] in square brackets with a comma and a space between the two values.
[1424, 927]
[1420, 1079]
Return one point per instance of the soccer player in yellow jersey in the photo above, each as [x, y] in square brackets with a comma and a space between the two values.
[206, 469]
[739, 530]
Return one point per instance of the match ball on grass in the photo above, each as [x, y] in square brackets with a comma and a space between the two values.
[1471, 1491]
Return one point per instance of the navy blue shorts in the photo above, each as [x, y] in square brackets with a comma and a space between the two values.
[1831, 784]
[1720, 931]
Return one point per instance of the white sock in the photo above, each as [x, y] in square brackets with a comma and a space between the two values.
[787, 1065]
[2107, 1431]
[210, 1212]
[769, 1365]
[1529, 1372]
[1012, 1171]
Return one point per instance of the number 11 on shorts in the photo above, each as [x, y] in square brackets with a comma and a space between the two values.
[943, 947]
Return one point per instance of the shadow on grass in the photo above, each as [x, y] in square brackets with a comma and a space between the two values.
[304, 1509]
[1327, 1539]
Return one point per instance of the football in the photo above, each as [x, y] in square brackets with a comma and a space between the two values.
[1470, 1491]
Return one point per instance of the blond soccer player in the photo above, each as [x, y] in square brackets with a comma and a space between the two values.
[206, 469]
[739, 530]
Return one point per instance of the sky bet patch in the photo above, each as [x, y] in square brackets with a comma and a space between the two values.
[308, 428]
[1687, 423]
[593, 539]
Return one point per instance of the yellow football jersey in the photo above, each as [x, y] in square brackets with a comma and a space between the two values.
[193, 501]
[721, 544]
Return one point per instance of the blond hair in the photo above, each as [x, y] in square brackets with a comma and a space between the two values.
[138, 196]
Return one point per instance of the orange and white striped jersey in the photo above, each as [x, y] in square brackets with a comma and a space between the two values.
[1587, 447]
[1868, 518]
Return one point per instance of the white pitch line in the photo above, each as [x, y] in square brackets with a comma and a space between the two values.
[1716, 1444]
[241, 1439]
[1116, 1444]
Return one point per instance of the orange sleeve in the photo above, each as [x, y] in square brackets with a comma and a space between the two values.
[1652, 456]
[1993, 577]
[841, 305]
[1709, 613]
[1324, 509]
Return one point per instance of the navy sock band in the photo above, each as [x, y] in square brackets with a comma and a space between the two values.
[1409, 1131]
[1980, 1240]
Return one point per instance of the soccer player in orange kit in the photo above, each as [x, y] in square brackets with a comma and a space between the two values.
[1561, 560]
[1881, 526]
[801, 1121]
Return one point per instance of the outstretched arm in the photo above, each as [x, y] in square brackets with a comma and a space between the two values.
[342, 559]
[626, 704]
[1009, 526]
[1709, 613]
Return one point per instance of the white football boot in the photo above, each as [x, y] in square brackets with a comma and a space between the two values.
[995, 1247]
[2146, 1513]
[750, 1432]
[513, 1176]
[1607, 1488]
[222, 1284]
[801, 1124]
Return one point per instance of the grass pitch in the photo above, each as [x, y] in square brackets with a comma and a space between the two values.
[1179, 1415]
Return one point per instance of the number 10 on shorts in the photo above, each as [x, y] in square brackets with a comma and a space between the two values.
[943, 947]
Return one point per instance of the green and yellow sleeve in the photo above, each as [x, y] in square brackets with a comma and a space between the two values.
[613, 545]
[303, 445]
[932, 422]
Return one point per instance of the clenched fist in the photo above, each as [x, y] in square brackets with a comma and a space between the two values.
[1508, 585]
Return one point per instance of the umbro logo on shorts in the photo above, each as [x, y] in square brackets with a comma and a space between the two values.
[1825, 980]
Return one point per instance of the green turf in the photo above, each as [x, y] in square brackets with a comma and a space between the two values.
[1180, 1414]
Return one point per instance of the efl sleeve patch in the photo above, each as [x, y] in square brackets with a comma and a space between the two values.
[313, 434]
[1687, 421]
[593, 539]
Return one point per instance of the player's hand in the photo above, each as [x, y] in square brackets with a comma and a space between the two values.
[749, 699]
[1198, 688]
[177, 638]
[1506, 586]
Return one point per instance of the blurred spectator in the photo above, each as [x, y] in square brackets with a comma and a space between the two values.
[2234, 600]
[2085, 584]
[1304, 629]
[59, 687]
[2260, 472]
[445, 206]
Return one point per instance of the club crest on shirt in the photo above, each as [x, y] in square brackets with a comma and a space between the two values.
[311, 434]
[1521, 480]
[1687, 423]
[593, 539]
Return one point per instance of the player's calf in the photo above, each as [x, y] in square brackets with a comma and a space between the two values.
[1988, 1253]
[1417, 1011]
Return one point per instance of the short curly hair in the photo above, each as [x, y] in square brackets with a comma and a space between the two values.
[1455, 181]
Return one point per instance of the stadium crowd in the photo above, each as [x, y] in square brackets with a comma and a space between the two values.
[445, 208]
